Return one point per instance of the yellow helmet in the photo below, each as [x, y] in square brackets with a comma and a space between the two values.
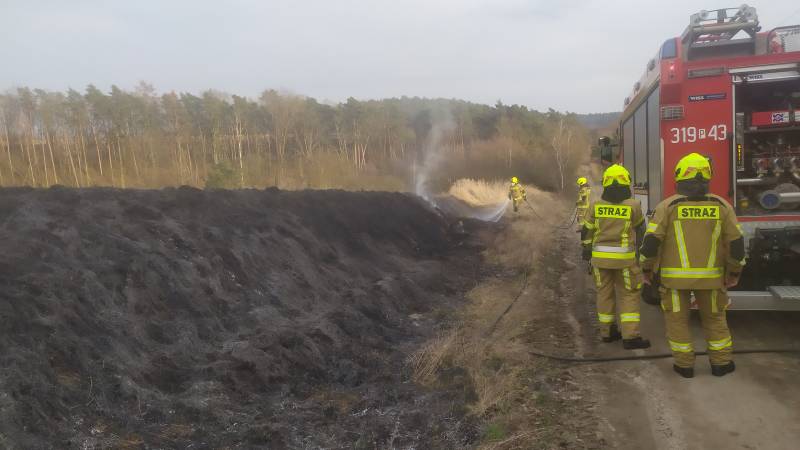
[514, 180]
[582, 181]
[692, 164]
[616, 173]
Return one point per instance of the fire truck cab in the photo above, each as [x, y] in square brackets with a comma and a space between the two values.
[730, 91]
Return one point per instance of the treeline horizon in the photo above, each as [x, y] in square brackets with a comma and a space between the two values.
[140, 139]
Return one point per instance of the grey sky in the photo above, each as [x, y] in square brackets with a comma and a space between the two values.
[577, 55]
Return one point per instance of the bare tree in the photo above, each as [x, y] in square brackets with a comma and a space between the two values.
[7, 142]
[561, 142]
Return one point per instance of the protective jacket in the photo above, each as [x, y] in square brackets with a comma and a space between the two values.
[583, 202]
[516, 192]
[693, 243]
[584, 197]
[610, 229]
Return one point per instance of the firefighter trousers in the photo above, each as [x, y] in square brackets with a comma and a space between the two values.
[623, 288]
[712, 304]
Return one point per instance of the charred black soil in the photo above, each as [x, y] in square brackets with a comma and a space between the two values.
[239, 319]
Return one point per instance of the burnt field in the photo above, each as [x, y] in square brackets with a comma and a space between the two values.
[242, 319]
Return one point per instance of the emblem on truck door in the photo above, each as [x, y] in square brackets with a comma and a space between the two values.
[780, 117]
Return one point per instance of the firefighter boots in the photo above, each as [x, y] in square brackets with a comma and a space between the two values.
[614, 334]
[635, 343]
[685, 372]
[721, 371]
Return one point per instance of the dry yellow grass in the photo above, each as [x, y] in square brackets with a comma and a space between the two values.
[531, 229]
[479, 192]
[131, 441]
[490, 355]
[456, 348]
[427, 361]
[494, 387]
[518, 440]
[495, 359]
[343, 402]
[67, 378]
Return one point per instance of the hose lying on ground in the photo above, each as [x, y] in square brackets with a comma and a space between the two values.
[526, 280]
[563, 226]
[592, 359]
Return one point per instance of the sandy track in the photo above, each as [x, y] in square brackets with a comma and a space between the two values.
[757, 407]
[644, 404]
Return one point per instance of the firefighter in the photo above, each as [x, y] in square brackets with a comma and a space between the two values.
[516, 193]
[609, 236]
[696, 245]
[582, 204]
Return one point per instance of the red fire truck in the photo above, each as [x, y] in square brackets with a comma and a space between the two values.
[730, 91]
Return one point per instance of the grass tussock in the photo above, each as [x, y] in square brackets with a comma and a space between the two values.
[427, 361]
[490, 379]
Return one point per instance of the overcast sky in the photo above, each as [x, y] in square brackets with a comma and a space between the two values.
[580, 56]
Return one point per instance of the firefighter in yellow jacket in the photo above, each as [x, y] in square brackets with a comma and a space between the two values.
[516, 193]
[695, 244]
[584, 198]
[609, 237]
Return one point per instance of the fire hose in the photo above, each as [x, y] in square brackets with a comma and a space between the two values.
[565, 226]
[594, 359]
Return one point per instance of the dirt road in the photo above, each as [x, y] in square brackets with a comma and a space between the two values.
[644, 404]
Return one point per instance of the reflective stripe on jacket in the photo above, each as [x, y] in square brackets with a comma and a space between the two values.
[695, 237]
[612, 232]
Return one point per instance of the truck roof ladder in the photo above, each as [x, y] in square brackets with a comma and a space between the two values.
[719, 27]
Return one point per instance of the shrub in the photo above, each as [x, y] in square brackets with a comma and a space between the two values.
[222, 176]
